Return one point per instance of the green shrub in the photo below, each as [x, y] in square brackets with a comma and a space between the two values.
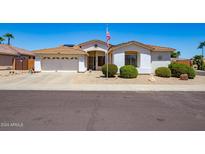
[198, 60]
[178, 69]
[191, 73]
[128, 71]
[163, 72]
[112, 70]
[203, 66]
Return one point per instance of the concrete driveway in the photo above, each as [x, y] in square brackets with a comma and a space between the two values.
[38, 81]
[67, 110]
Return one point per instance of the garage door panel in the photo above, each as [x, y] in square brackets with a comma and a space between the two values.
[60, 64]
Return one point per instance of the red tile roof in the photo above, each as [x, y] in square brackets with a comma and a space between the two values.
[61, 50]
[11, 50]
[147, 46]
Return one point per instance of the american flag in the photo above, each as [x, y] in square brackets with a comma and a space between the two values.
[108, 37]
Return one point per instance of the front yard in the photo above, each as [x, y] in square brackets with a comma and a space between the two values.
[95, 81]
[96, 77]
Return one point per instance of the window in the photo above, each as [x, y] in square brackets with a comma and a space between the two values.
[101, 60]
[131, 59]
[159, 57]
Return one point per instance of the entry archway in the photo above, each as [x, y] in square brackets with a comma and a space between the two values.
[96, 59]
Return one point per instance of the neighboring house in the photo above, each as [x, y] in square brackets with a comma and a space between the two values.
[92, 55]
[13, 58]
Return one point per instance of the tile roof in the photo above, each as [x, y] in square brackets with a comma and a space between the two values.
[61, 50]
[91, 41]
[147, 46]
[160, 48]
[11, 50]
[113, 47]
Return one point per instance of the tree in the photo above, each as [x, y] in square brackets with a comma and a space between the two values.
[175, 54]
[9, 36]
[1, 39]
[201, 46]
[198, 60]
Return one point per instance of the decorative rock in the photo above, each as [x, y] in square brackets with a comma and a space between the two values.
[152, 79]
[184, 77]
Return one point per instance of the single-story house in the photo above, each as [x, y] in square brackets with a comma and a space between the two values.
[92, 55]
[13, 58]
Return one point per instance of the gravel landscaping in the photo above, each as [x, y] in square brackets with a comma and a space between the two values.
[96, 77]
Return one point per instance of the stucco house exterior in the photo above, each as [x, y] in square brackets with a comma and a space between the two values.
[91, 55]
[14, 58]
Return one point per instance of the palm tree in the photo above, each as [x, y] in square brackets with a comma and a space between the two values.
[201, 46]
[1, 39]
[9, 36]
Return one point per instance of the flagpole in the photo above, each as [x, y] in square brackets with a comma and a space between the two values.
[107, 62]
[107, 53]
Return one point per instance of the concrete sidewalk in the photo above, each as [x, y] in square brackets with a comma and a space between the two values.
[105, 87]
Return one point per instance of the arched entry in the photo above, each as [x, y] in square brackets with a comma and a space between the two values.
[96, 59]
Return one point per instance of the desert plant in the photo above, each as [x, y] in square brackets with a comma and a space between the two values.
[112, 70]
[1, 39]
[191, 72]
[128, 71]
[175, 54]
[178, 69]
[203, 67]
[163, 72]
[198, 60]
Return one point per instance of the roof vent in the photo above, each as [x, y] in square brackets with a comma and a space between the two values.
[69, 45]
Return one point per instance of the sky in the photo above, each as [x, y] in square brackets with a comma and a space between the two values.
[183, 37]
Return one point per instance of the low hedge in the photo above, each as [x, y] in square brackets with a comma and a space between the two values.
[163, 72]
[112, 70]
[178, 69]
[191, 73]
[128, 71]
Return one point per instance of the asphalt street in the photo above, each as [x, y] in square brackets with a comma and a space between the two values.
[102, 111]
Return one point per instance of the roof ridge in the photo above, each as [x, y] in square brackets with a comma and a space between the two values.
[17, 50]
[91, 41]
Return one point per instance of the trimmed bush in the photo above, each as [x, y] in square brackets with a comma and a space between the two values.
[203, 66]
[178, 69]
[112, 70]
[163, 72]
[191, 73]
[128, 71]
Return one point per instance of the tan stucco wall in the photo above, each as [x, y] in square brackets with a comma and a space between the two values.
[6, 62]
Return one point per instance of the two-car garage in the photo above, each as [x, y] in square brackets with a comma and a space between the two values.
[65, 63]
[61, 58]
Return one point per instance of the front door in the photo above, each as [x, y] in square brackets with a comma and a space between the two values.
[101, 62]
[91, 63]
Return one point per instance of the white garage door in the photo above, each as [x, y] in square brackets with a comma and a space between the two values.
[60, 63]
